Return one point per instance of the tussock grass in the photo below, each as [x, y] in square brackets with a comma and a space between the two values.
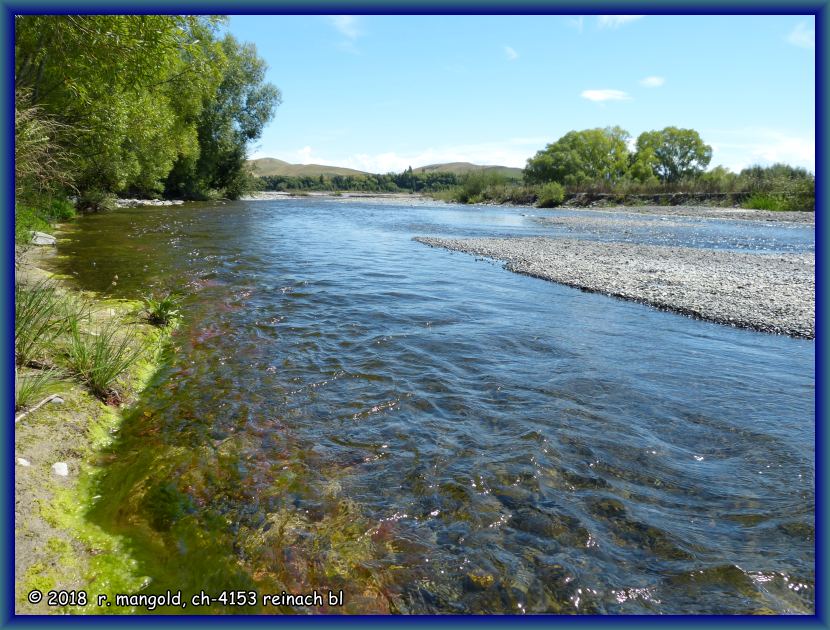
[100, 356]
[37, 320]
[33, 386]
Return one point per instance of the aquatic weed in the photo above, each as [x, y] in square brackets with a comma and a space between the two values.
[162, 311]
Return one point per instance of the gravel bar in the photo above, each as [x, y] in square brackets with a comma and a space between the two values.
[710, 212]
[766, 292]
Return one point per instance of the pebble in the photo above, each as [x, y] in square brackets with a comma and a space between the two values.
[23, 462]
[57, 400]
[60, 468]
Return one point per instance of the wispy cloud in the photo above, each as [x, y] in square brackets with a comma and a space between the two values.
[616, 21]
[511, 54]
[652, 82]
[577, 22]
[605, 95]
[803, 36]
[346, 24]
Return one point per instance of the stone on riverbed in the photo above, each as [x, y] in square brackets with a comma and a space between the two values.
[41, 238]
[60, 468]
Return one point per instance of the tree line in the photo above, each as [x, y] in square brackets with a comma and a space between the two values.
[134, 105]
[406, 181]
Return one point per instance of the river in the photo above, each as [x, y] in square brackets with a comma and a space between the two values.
[348, 409]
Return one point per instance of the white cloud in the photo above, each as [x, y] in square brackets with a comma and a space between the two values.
[346, 24]
[739, 148]
[605, 95]
[510, 152]
[803, 36]
[616, 21]
[512, 55]
[652, 81]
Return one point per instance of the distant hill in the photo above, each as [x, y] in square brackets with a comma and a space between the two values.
[273, 166]
[460, 168]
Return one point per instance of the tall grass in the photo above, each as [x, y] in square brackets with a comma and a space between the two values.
[41, 315]
[31, 387]
[99, 357]
[37, 320]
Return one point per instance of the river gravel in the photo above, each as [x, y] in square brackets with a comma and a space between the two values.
[767, 292]
[712, 212]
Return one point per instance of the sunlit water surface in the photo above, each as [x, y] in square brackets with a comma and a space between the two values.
[350, 409]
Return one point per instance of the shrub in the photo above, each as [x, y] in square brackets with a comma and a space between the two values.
[163, 310]
[550, 195]
[96, 201]
[762, 201]
[100, 357]
[33, 386]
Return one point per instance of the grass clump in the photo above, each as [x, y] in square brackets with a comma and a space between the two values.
[163, 310]
[99, 357]
[33, 386]
[42, 314]
[38, 320]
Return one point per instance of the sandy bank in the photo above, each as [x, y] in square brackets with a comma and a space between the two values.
[766, 292]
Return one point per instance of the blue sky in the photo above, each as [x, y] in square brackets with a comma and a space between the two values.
[380, 93]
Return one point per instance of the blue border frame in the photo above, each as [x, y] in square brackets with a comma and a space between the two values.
[457, 7]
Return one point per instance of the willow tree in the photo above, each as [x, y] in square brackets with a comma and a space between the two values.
[675, 153]
[591, 156]
[126, 89]
[231, 117]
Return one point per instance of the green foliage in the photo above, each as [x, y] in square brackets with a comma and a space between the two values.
[99, 357]
[550, 195]
[96, 200]
[581, 157]
[163, 310]
[26, 221]
[235, 114]
[370, 182]
[674, 153]
[127, 97]
[33, 386]
[762, 201]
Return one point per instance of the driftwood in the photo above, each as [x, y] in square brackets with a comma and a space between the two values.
[35, 408]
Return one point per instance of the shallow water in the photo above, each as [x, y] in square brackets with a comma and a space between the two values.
[431, 433]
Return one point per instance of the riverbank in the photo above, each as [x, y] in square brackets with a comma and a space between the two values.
[766, 292]
[59, 447]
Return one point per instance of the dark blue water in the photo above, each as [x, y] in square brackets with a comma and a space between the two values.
[432, 433]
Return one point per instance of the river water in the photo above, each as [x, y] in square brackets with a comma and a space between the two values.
[349, 409]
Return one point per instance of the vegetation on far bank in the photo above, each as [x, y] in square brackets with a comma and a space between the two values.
[596, 162]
